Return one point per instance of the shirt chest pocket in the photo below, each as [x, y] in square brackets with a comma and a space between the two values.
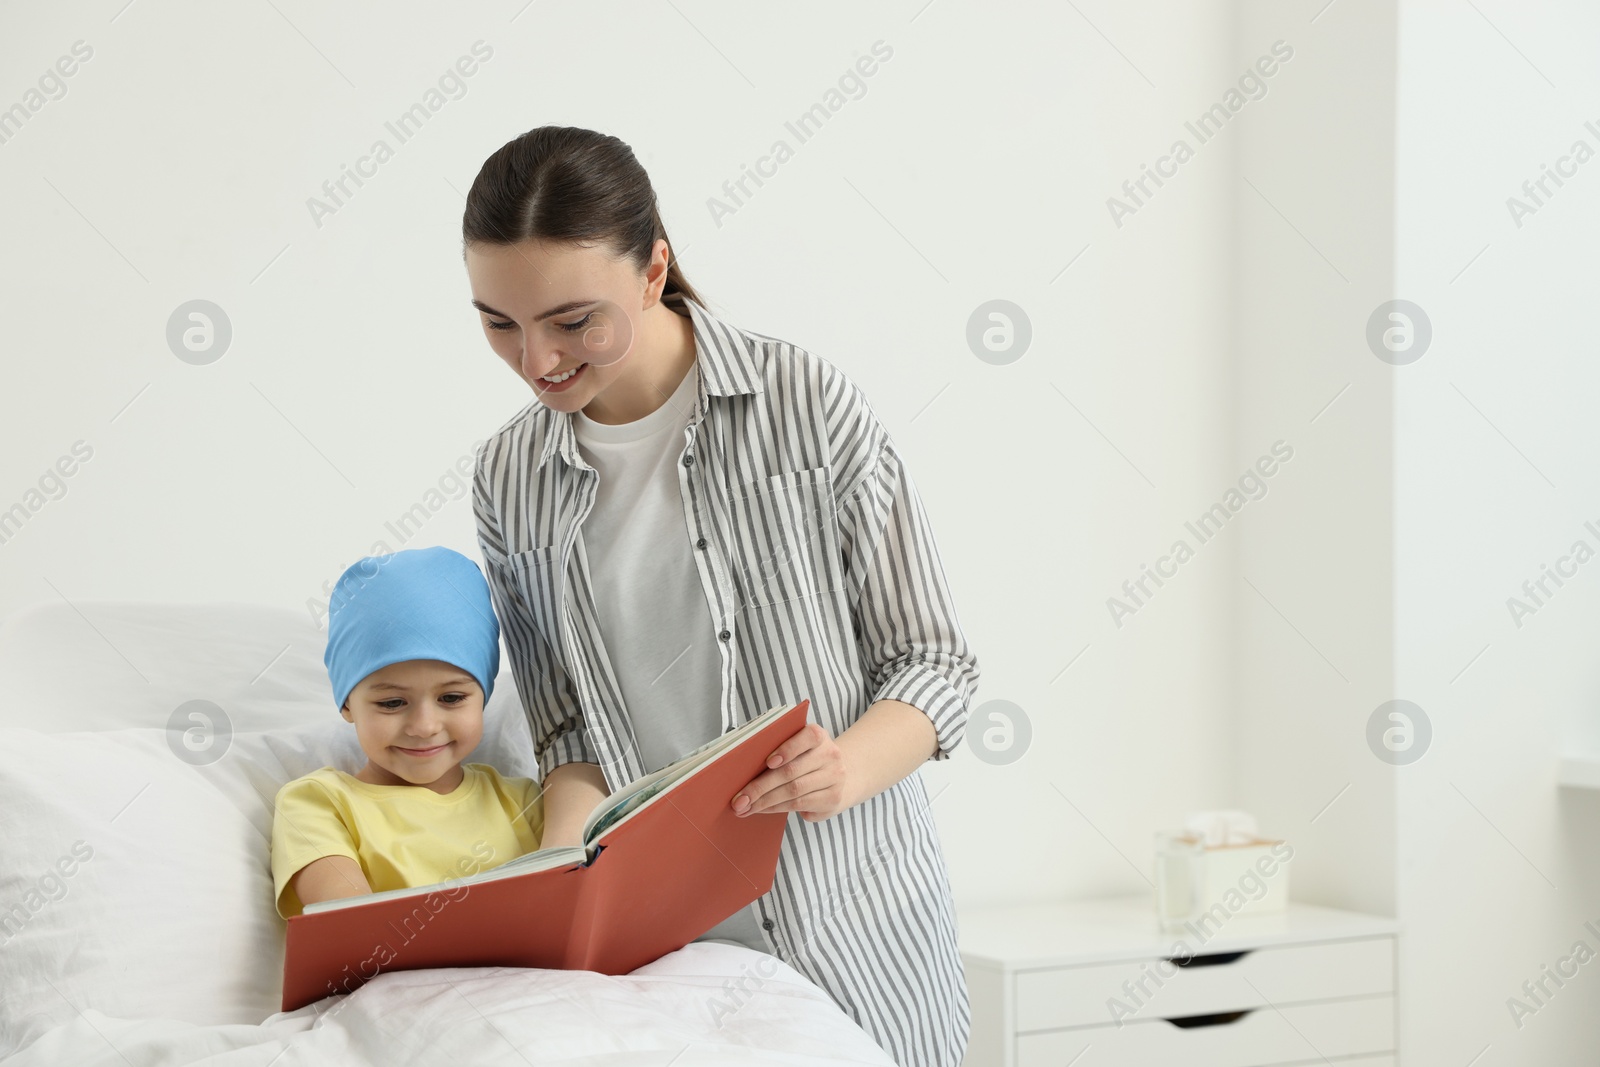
[785, 538]
[536, 581]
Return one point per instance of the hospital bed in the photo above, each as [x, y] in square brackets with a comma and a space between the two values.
[140, 748]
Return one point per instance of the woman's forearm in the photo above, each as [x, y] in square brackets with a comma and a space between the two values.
[888, 742]
[571, 792]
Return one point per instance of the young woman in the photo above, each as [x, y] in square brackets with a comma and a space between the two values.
[691, 523]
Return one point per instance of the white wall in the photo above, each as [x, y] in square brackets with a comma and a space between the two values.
[976, 166]
[1495, 436]
[1432, 490]
[1314, 654]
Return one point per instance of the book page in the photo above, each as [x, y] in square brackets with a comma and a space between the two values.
[638, 793]
[543, 859]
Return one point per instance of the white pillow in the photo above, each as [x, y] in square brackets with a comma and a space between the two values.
[165, 908]
[127, 887]
[171, 915]
[108, 666]
[139, 883]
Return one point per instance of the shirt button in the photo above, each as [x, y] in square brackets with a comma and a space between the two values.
[700, 543]
[767, 924]
[725, 635]
[688, 459]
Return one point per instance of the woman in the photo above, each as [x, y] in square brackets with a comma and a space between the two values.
[692, 523]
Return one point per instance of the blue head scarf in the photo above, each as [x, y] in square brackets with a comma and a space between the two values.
[420, 603]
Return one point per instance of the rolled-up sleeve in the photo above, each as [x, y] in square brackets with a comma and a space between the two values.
[906, 628]
[549, 700]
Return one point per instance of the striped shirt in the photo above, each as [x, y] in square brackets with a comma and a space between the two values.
[819, 568]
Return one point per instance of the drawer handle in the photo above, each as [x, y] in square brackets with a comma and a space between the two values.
[1189, 1022]
[1213, 960]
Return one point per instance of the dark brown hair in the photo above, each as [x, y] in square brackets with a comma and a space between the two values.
[566, 184]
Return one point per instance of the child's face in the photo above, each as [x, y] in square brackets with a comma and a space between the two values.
[416, 721]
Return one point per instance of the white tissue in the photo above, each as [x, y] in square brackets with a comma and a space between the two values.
[1216, 828]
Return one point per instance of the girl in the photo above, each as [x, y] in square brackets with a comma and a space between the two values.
[413, 649]
[691, 523]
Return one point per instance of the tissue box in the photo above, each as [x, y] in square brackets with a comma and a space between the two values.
[1193, 878]
[1253, 872]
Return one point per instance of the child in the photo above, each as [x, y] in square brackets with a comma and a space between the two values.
[413, 649]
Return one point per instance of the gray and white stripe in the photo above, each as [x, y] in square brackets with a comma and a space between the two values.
[820, 571]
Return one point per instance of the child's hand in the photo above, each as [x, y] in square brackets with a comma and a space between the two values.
[807, 773]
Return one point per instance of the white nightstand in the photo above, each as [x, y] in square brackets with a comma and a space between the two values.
[1300, 986]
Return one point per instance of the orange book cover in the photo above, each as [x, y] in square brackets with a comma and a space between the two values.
[658, 879]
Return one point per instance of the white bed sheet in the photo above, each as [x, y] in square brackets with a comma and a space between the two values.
[705, 1004]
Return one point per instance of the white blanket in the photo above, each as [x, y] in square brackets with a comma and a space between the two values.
[705, 1004]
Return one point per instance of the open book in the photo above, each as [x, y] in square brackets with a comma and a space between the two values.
[664, 859]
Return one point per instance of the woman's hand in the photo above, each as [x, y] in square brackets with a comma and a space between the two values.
[818, 775]
[807, 773]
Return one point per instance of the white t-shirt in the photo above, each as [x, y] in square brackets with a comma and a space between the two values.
[654, 621]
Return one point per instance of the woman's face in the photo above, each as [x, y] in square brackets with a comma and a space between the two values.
[548, 309]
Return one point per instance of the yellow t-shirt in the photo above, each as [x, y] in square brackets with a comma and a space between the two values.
[402, 835]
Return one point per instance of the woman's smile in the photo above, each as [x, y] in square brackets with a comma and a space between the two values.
[557, 382]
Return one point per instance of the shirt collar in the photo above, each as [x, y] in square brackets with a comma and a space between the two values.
[729, 363]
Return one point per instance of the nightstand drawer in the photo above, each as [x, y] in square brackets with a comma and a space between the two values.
[1288, 1035]
[1150, 989]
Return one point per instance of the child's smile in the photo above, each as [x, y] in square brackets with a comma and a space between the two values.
[422, 753]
